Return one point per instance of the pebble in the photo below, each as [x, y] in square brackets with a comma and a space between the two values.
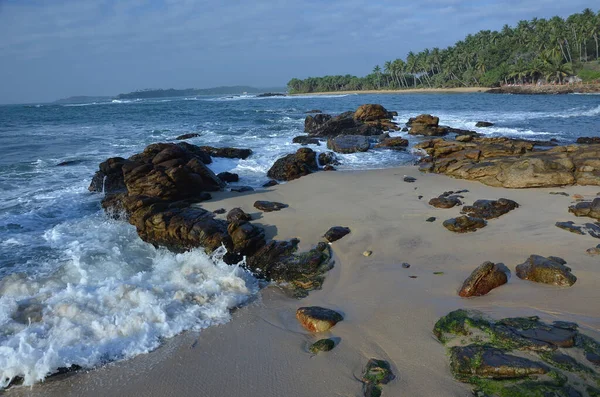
[431, 219]
[405, 265]
[367, 253]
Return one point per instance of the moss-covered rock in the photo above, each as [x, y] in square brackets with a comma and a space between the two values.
[521, 356]
[377, 373]
[322, 345]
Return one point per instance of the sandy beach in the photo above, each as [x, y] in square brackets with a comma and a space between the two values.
[459, 90]
[388, 315]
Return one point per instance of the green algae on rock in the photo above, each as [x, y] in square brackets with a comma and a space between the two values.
[550, 270]
[519, 356]
[322, 345]
[377, 373]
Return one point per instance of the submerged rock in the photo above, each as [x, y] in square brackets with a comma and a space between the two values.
[349, 144]
[483, 124]
[306, 140]
[293, 166]
[464, 224]
[318, 319]
[550, 270]
[335, 233]
[328, 158]
[489, 209]
[187, 136]
[484, 279]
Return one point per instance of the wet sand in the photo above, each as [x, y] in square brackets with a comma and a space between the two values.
[388, 315]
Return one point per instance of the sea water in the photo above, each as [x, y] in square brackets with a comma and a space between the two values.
[80, 289]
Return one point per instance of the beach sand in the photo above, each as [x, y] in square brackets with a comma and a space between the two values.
[459, 90]
[388, 315]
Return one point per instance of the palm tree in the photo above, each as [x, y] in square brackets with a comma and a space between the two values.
[377, 71]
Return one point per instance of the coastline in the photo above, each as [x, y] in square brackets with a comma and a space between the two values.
[387, 314]
[459, 90]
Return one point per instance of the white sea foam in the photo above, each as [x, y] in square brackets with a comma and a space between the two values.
[110, 296]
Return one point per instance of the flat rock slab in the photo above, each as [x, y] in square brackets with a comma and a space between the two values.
[464, 224]
[269, 206]
[550, 270]
[335, 233]
[489, 209]
[570, 227]
[318, 319]
[486, 277]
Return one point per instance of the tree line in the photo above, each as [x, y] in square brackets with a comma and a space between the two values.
[536, 51]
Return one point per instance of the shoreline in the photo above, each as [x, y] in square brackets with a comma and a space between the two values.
[459, 90]
[388, 315]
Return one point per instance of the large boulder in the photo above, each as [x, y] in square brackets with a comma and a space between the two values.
[587, 208]
[227, 152]
[372, 112]
[293, 166]
[313, 123]
[349, 144]
[512, 163]
[393, 143]
[367, 120]
[550, 270]
[426, 124]
[485, 278]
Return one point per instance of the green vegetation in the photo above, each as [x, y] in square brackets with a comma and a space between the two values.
[536, 51]
[171, 92]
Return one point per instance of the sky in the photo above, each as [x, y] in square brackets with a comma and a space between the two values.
[52, 49]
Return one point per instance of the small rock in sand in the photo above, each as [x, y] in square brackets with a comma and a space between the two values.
[367, 253]
[318, 319]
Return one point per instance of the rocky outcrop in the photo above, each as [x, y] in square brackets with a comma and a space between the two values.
[335, 233]
[367, 120]
[156, 191]
[484, 279]
[512, 163]
[550, 270]
[227, 152]
[293, 166]
[499, 357]
[318, 319]
[348, 144]
[393, 143]
[426, 124]
[483, 124]
[594, 140]
[489, 209]
[587, 208]
[464, 224]
[187, 136]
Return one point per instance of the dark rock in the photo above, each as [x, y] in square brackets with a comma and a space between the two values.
[571, 227]
[220, 211]
[405, 129]
[393, 143]
[560, 193]
[270, 94]
[271, 182]
[228, 177]
[242, 189]
[405, 265]
[489, 209]
[69, 162]
[361, 122]
[318, 319]
[238, 215]
[306, 140]
[227, 152]
[109, 179]
[328, 158]
[314, 111]
[484, 279]
[187, 136]
[376, 373]
[464, 224]
[484, 124]
[431, 219]
[419, 197]
[335, 233]
[593, 358]
[488, 362]
[294, 166]
[409, 179]
[445, 201]
[549, 270]
[269, 206]
[460, 132]
[322, 345]
[588, 140]
[329, 167]
[313, 123]
[348, 144]
[587, 208]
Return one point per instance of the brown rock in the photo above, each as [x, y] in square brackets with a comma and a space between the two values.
[464, 224]
[393, 143]
[318, 319]
[587, 208]
[371, 112]
[445, 201]
[550, 270]
[238, 215]
[335, 233]
[269, 206]
[293, 166]
[483, 279]
[489, 209]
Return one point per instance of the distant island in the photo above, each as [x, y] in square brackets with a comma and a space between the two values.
[171, 92]
[539, 52]
[82, 99]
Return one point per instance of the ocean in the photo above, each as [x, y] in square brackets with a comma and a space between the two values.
[80, 289]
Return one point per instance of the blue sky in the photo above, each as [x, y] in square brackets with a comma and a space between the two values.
[51, 49]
